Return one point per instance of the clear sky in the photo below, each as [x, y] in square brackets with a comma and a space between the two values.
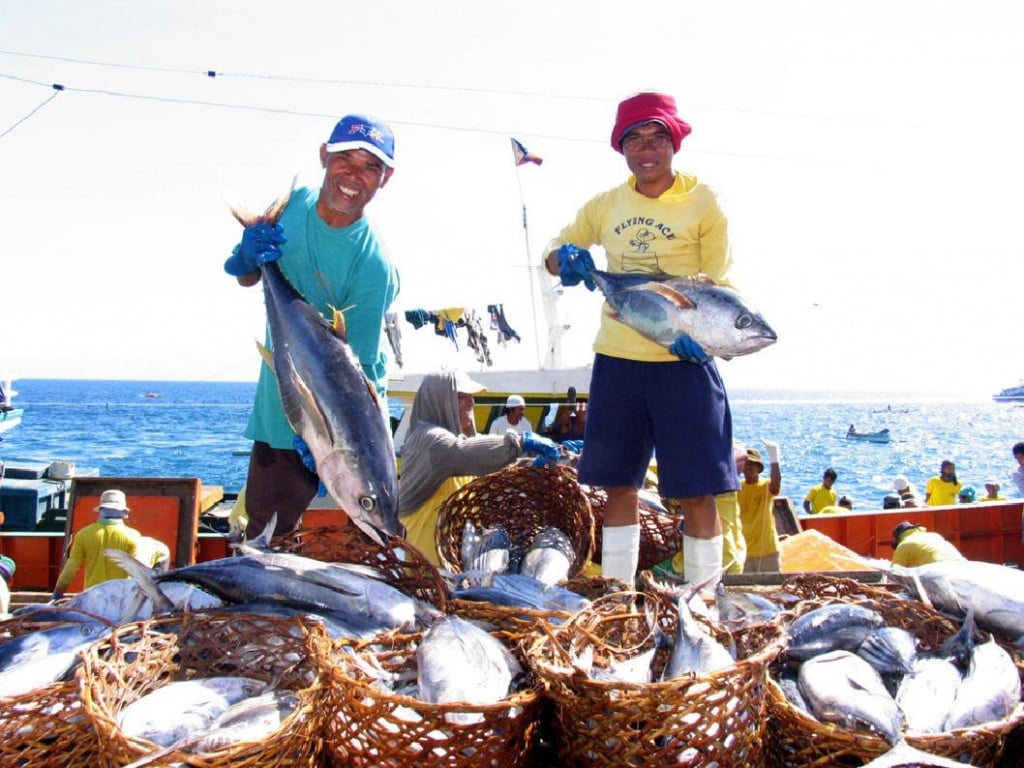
[868, 155]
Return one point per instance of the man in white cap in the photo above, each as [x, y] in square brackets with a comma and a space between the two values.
[442, 453]
[330, 253]
[514, 418]
[907, 492]
[109, 532]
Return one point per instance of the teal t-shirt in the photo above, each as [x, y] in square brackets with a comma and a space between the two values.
[346, 268]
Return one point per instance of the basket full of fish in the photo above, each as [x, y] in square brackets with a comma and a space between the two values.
[889, 678]
[522, 500]
[41, 718]
[217, 689]
[637, 680]
[660, 534]
[453, 695]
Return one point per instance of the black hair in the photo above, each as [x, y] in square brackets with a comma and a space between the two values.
[831, 473]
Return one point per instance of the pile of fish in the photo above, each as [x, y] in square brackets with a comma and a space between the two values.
[37, 659]
[526, 574]
[846, 665]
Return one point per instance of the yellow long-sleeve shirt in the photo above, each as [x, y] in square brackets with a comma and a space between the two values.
[758, 520]
[87, 548]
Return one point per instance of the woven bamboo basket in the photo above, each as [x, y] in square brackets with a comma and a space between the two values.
[402, 565]
[46, 726]
[523, 500]
[660, 534]
[797, 739]
[717, 719]
[141, 657]
[365, 726]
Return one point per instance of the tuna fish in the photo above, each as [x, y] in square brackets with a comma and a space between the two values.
[993, 593]
[459, 662]
[488, 550]
[840, 687]
[328, 400]
[990, 690]
[663, 308]
[694, 649]
[179, 709]
[890, 650]
[839, 626]
[43, 642]
[549, 556]
[926, 695]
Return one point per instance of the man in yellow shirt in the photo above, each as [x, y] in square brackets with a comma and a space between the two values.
[109, 532]
[944, 489]
[756, 498]
[822, 495]
[915, 545]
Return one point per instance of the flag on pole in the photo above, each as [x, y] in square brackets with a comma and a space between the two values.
[522, 154]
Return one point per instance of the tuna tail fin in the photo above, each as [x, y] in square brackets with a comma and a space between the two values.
[266, 354]
[262, 542]
[144, 577]
[271, 215]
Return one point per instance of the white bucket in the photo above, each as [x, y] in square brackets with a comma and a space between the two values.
[61, 470]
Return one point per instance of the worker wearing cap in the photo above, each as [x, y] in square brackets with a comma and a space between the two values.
[645, 397]
[7, 568]
[89, 544]
[757, 500]
[442, 453]
[992, 491]
[915, 545]
[514, 418]
[330, 253]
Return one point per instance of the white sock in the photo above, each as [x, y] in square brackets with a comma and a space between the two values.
[620, 552]
[702, 558]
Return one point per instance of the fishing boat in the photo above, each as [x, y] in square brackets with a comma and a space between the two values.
[10, 416]
[878, 436]
[1013, 394]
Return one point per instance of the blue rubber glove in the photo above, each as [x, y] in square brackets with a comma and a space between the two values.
[574, 265]
[689, 350]
[573, 445]
[308, 461]
[261, 243]
[546, 450]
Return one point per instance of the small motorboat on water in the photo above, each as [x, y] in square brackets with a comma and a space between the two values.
[1011, 395]
[878, 436]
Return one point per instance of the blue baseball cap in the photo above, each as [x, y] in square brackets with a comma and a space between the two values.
[362, 132]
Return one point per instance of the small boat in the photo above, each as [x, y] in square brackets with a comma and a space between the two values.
[878, 436]
[150, 395]
[1011, 395]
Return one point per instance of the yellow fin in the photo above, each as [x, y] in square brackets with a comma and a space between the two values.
[266, 354]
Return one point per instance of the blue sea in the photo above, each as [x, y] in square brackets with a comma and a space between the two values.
[194, 429]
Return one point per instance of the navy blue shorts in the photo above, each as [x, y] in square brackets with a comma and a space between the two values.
[677, 411]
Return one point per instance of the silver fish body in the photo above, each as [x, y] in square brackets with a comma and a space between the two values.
[251, 719]
[694, 649]
[183, 708]
[460, 662]
[43, 642]
[990, 690]
[840, 687]
[743, 609]
[488, 550]
[549, 556]
[926, 695]
[514, 589]
[839, 626]
[993, 593]
[905, 756]
[663, 308]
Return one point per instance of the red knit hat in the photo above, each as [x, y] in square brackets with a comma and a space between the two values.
[644, 108]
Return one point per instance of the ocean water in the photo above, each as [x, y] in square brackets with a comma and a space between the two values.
[194, 429]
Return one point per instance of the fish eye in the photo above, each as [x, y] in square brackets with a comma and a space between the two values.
[744, 321]
[367, 503]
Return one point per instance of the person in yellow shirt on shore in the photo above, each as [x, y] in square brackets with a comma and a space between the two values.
[822, 495]
[109, 532]
[757, 498]
[943, 489]
[915, 545]
[845, 504]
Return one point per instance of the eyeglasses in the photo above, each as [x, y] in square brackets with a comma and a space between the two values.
[635, 142]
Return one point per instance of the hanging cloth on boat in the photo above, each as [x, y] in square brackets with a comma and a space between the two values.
[477, 341]
[500, 324]
[448, 320]
[394, 334]
[419, 317]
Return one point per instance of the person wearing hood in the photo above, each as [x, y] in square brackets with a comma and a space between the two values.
[109, 532]
[442, 453]
[915, 545]
[645, 398]
[906, 490]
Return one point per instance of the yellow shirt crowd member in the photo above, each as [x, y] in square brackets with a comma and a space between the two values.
[943, 489]
[756, 501]
[820, 497]
[88, 547]
[916, 545]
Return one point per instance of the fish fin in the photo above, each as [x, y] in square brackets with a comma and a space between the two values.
[681, 301]
[266, 354]
[338, 327]
[271, 215]
[143, 577]
[260, 543]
